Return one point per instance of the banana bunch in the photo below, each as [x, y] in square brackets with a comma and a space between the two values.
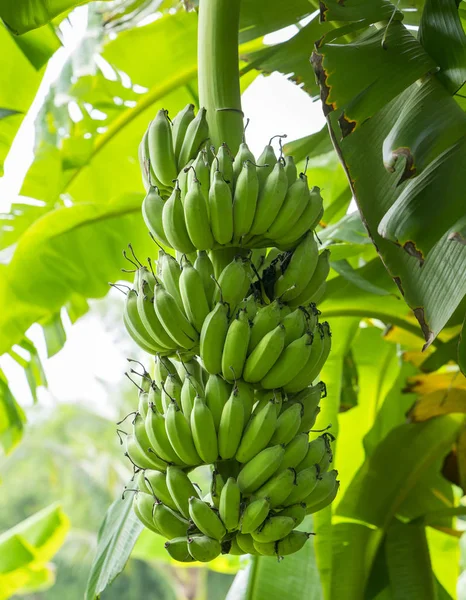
[266, 475]
[202, 198]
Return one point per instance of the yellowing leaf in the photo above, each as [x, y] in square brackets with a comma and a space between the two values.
[441, 402]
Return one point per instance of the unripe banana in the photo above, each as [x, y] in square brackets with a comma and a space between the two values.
[203, 548]
[143, 165]
[290, 362]
[231, 425]
[221, 209]
[179, 129]
[206, 519]
[156, 482]
[142, 439]
[204, 267]
[155, 428]
[307, 221]
[135, 326]
[170, 523]
[246, 543]
[249, 304]
[216, 487]
[217, 392]
[262, 397]
[173, 319]
[181, 489]
[294, 205]
[258, 432]
[183, 180]
[174, 224]
[324, 486]
[145, 305]
[143, 404]
[312, 506]
[314, 365]
[288, 424]
[161, 153]
[270, 199]
[295, 324]
[265, 164]
[143, 505]
[225, 165]
[290, 170]
[163, 367]
[245, 200]
[169, 272]
[236, 347]
[229, 508]
[213, 334]
[196, 135]
[246, 392]
[243, 155]
[177, 548]
[203, 430]
[189, 390]
[316, 282]
[317, 449]
[295, 511]
[171, 391]
[265, 548]
[277, 488]
[299, 270]
[201, 171]
[274, 529]
[256, 472]
[142, 459]
[152, 208]
[233, 283]
[295, 451]
[190, 368]
[180, 436]
[264, 355]
[293, 542]
[306, 481]
[254, 515]
[235, 549]
[266, 319]
[197, 217]
[193, 295]
[164, 190]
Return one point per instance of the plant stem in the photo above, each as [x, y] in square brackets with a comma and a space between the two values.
[218, 65]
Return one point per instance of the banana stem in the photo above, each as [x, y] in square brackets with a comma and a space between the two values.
[218, 65]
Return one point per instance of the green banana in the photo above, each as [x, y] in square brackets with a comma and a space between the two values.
[314, 364]
[189, 390]
[265, 163]
[231, 425]
[323, 488]
[306, 481]
[264, 355]
[296, 200]
[224, 164]
[316, 282]
[203, 548]
[290, 170]
[246, 392]
[288, 424]
[204, 267]
[177, 548]
[213, 334]
[142, 506]
[180, 436]
[156, 482]
[141, 437]
[201, 171]
[169, 272]
[254, 515]
[171, 391]
[156, 432]
[245, 200]
[217, 392]
[152, 208]
[293, 542]
[233, 283]
[174, 224]
[203, 430]
[307, 221]
[161, 153]
[256, 472]
[206, 519]
[135, 326]
[173, 319]
[197, 217]
[259, 430]
[296, 323]
[193, 295]
[313, 507]
[246, 543]
[263, 397]
[270, 199]
[277, 488]
[236, 347]
[234, 548]
[196, 135]
[143, 404]
[180, 125]
[216, 487]
[243, 155]
[290, 362]
[221, 209]
[316, 451]
[163, 367]
[266, 319]
[181, 489]
[274, 529]
[140, 458]
[265, 548]
[229, 508]
[169, 522]
[295, 452]
[295, 511]
[145, 305]
[249, 305]
[299, 270]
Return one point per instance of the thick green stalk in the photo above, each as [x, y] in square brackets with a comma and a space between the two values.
[218, 65]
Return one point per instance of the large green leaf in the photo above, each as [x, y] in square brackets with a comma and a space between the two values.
[12, 418]
[26, 549]
[117, 536]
